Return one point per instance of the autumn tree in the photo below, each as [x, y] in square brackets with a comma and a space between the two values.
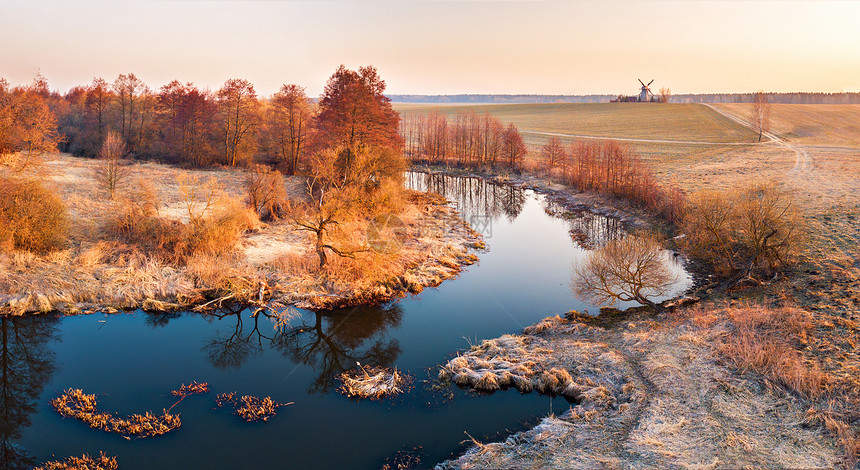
[128, 89]
[513, 148]
[760, 116]
[288, 123]
[553, 154]
[238, 104]
[97, 101]
[28, 127]
[354, 113]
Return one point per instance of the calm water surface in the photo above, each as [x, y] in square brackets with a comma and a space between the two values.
[132, 361]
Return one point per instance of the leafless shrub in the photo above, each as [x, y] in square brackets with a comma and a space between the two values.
[31, 217]
[744, 234]
[266, 193]
[631, 268]
[111, 171]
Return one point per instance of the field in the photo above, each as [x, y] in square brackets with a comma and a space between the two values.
[810, 124]
[652, 121]
[664, 134]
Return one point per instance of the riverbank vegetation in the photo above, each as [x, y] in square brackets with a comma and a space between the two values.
[159, 237]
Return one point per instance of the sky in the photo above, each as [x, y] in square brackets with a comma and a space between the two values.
[441, 46]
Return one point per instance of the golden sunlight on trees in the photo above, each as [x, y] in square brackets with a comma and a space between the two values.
[760, 117]
[28, 127]
[288, 124]
[468, 140]
[354, 113]
[632, 268]
[110, 172]
[665, 95]
[239, 119]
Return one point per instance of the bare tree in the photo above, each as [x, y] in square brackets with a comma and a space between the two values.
[553, 154]
[665, 95]
[631, 268]
[760, 114]
[111, 173]
[331, 200]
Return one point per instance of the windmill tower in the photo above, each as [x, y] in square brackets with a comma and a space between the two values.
[643, 94]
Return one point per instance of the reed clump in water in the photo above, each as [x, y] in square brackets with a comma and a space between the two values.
[374, 382]
[85, 462]
[249, 407]
[76, 404]
[193, 388]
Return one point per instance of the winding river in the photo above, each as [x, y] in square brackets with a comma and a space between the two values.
[132, 360]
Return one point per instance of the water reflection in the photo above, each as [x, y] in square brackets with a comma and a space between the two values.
[26, 364]
[329, 342]
[472, 196]
[334, 341]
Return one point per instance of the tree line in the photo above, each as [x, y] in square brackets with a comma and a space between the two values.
[178, 123]
[465, 140]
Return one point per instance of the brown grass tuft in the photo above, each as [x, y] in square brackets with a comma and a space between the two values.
[76, 404]
[373, 382]
[85, 462]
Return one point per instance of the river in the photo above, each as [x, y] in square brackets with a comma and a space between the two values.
[132, 360]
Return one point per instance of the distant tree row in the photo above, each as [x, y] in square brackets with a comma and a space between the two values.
[465, 140]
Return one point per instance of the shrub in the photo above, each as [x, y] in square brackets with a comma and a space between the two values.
[31, 217]
[745, 233]
[266, 193]
[137, 222]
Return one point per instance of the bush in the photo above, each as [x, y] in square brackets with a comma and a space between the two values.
[31, 217]
[746, 233]
[266, 193]
[215, 230]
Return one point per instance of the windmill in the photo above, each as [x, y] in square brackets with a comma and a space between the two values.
[643, 94]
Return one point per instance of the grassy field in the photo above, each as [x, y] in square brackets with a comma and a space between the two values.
[675, 122]
[810, 124]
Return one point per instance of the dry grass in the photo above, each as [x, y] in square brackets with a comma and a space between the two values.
[373, 382]
[74, 403]
[658, 397]
[181, 238]
[85, 462]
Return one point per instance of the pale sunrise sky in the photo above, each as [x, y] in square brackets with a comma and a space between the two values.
[441, 47]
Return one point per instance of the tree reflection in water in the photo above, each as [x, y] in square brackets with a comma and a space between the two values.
[474, 197]
[26, 365]
[330, 342]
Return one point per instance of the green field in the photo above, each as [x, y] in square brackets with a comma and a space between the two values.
[652, 121]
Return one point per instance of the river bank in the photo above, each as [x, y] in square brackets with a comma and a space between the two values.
[761, 376]
[271, 262]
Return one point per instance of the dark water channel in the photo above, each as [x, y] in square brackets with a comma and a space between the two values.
[132, 361]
